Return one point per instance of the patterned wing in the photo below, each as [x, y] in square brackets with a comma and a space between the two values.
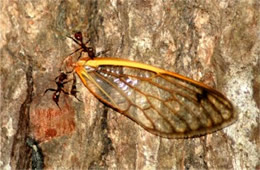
[163, 103]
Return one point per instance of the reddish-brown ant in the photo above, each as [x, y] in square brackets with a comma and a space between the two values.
[61, 80]
[83, 48]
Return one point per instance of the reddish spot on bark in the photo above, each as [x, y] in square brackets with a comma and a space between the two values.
[52, 122]
[50, 133]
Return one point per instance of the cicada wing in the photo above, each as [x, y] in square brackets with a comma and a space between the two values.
[162, 103]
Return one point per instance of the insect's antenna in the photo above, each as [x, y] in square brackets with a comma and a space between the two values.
[80, 44]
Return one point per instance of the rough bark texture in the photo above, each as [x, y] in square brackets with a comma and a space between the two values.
[216, 42]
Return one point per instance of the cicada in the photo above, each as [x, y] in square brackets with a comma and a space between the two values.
[162, 102]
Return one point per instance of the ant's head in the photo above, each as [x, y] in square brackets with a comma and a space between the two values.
[78, 36]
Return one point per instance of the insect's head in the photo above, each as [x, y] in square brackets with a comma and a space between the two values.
[78, 36]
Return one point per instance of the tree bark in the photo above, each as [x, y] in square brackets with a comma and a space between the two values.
[215, 42]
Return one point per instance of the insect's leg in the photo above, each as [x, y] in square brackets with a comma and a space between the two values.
[56, 97]
[50, 89]
[73, 90]
[80, 55]
[75, 51]
[86, 42]
[65, 92]
[77, 96]
[75, 40]
[61, 87]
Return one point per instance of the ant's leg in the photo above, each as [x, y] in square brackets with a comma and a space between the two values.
[87, 42]
[75, 40]
[75, 51]
[73, 86]
[67, 93]
[80, 54]
[74, 93]
[56, 97]
[50, 89]
[73, 90]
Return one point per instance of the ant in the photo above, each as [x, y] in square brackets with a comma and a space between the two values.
[90, 50]
[79, 40]
[61, 80]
